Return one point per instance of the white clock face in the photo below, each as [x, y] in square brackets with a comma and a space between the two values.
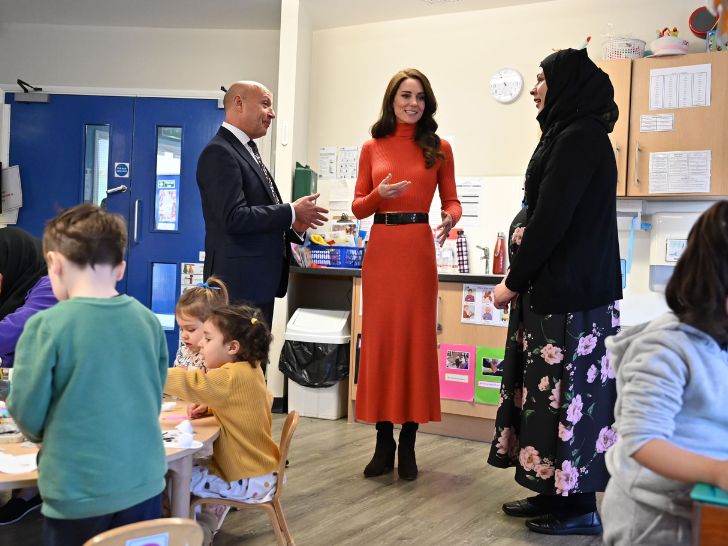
[506, 85]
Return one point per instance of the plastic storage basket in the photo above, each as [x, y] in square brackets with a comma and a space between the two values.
[337, 256]
[623, 48]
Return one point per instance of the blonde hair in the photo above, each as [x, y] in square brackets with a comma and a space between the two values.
[199, 301]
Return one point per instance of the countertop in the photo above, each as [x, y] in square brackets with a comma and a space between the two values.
[469, 278]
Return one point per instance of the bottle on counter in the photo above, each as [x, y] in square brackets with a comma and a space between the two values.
[499, 255]
[462, 248]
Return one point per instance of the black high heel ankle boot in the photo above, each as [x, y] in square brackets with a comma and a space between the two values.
[407, 464]
[383, 459]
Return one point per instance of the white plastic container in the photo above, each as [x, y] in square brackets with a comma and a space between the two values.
[325, 403]
[319, 326]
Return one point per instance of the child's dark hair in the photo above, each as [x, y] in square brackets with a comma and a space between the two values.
[87, 235]
[698, 288]
[245, 325]
[198, 301]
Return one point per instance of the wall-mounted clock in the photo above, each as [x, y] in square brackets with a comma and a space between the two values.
[506, 85]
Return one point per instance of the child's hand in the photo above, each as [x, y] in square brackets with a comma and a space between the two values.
[721, 475]
[195, 411]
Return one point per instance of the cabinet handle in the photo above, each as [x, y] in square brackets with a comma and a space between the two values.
[636, 163]
[136, 220]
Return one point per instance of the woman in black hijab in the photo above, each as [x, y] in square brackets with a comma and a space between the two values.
[25, 289]
[555, 418]
[24, 286]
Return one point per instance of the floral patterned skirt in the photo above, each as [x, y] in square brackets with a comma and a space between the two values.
[556, 413]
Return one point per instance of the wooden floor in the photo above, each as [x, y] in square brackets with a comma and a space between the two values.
[455, 500]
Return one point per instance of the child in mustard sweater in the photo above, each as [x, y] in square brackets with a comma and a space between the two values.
[235, 340]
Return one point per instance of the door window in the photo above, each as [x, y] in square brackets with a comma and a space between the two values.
[164, 296]
[96, 163]
[169, 159]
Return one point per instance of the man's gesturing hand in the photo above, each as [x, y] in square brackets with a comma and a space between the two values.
[309, 214]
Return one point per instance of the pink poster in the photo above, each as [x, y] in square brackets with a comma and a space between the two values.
[457, 372]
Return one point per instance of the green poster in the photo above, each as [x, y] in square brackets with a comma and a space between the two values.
[488, 372]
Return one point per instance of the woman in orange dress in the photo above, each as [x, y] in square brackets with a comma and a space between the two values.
[399, 170]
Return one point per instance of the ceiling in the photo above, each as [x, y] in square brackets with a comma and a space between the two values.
[228, 14]
[212, 14]
[340, 13]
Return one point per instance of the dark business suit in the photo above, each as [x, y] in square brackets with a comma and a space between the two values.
[246, 233]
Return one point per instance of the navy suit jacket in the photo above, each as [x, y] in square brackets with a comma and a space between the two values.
[246, 234]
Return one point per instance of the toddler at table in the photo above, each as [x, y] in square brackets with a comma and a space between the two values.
[234, 343]
[88, 385]
[672, 385]
[191, 311]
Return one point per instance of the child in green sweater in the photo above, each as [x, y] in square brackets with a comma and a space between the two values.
[87, 385]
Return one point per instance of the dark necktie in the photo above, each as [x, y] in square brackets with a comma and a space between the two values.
[269, 179]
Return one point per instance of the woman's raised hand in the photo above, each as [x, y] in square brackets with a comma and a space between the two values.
[390, 191]
[443, 230]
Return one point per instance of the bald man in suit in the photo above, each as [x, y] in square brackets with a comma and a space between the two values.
[247, 224]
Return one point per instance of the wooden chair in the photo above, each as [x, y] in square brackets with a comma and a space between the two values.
[272, 507]
[179, 532]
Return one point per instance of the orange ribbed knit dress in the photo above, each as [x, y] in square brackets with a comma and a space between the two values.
[398, 376]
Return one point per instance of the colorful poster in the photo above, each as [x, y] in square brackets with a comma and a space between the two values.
[191, 275]
[166, 203]
[488, 374]
[478, 306]
[457, 371]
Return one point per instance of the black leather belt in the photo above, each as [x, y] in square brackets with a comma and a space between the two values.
[396, 218]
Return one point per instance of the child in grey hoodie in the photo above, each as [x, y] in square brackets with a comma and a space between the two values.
[672, 385]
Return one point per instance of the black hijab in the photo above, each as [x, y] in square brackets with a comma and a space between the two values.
[575, 88]
[21, 264]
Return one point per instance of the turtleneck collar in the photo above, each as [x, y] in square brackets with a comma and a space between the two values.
[404, 130]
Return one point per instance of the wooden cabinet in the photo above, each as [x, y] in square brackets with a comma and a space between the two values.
[696, 128]
[620, 73]
[355, 334]
[710, 524]
[459, 418]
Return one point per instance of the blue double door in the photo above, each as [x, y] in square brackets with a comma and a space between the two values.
[135, 156]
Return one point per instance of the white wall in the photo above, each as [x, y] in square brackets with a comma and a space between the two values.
[137, 58]
[459, 52]
[291, 136]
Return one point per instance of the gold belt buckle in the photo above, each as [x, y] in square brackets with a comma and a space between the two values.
[386, 218]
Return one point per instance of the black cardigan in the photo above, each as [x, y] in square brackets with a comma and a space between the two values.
[569, 255]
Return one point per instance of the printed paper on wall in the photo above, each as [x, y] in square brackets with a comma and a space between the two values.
[457, 371]
[488, 374]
